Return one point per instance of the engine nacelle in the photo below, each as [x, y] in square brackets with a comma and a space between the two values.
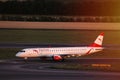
[57, 58]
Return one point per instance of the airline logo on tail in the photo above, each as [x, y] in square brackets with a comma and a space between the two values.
[98, 41]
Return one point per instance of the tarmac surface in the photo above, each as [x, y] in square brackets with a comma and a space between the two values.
[35, 69]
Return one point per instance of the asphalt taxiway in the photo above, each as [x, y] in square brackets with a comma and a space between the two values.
[38, 70]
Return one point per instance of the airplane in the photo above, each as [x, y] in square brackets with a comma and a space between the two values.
[60, 53]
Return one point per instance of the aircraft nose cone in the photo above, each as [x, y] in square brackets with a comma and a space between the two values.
[17, 55]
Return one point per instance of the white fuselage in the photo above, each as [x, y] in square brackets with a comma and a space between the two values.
[48, 52]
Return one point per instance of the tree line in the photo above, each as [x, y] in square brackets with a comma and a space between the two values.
[56, 7]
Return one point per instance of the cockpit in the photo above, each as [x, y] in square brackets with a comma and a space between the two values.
[28, 53]
[22, 51]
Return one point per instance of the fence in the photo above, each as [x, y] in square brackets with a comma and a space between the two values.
[44, 18]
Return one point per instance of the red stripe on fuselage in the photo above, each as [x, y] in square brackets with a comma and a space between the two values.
[89, 51]
[95, 45]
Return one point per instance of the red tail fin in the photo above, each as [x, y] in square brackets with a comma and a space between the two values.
[98, 41]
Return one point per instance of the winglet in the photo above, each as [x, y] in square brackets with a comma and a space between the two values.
[98, 41]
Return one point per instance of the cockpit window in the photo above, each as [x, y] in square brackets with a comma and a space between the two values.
[22, 51]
